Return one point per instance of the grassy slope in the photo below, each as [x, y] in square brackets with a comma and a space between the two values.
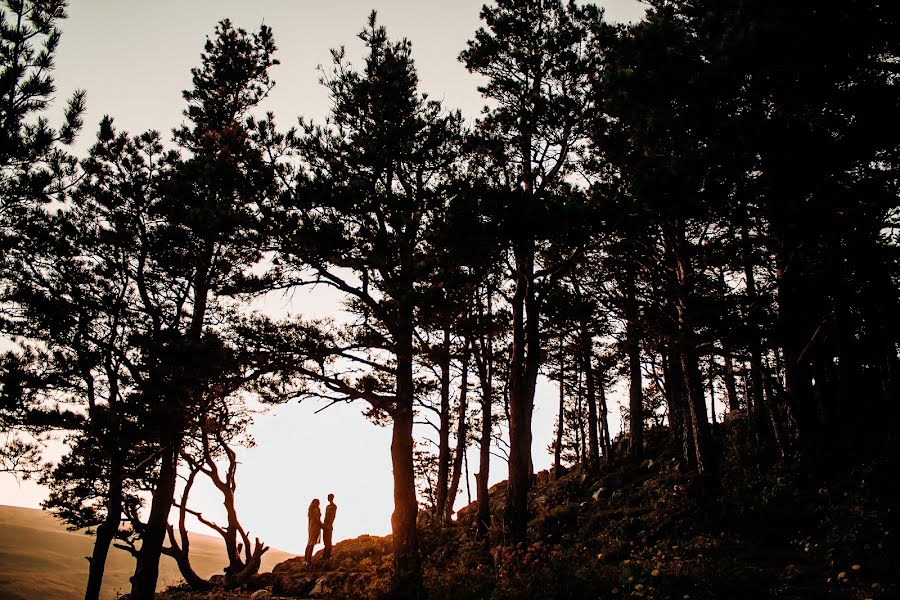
[783, 531]
[40, 559]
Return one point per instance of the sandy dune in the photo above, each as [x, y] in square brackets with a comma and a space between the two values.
[40, 559]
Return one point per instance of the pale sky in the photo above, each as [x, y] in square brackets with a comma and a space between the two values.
[134, 59]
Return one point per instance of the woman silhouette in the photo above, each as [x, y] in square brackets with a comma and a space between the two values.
[314, 528]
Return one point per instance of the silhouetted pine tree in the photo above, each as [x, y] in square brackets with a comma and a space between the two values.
[758, 168]
[533, 56]
[374, 187]
[209, 230]
[34, 168]
[77, 290]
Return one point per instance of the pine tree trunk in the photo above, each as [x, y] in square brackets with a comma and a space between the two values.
[560, 424]
[407, 581]
[678, 425]
[734, 403]
[635, 392]
[604, 422]
[696, 399]
[755, 342]
[106, 532]
[523, 369]
[712, 394]
[580, 433]
[779, 427]
[844, 351]
[588, 367]
[703, 450]
[146, 573]
[462, 433]
[484, 362]
[443, 473]
[686, 343]
[794, 336]
[593, 459]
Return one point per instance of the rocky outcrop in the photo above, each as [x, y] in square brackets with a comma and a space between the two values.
[358, 568]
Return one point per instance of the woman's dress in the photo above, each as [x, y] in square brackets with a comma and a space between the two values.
[315, 526]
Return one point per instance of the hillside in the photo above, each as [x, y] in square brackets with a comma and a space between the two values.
[40, 559]
[647, 530]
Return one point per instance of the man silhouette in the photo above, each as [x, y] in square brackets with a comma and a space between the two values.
[328, 526]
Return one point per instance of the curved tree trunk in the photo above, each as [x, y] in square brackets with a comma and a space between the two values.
[181, 551]
[235, 538]
[181, 555]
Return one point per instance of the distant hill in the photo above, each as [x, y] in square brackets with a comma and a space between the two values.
[40, 559]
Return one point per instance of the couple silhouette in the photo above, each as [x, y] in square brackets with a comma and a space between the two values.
[320, 528]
